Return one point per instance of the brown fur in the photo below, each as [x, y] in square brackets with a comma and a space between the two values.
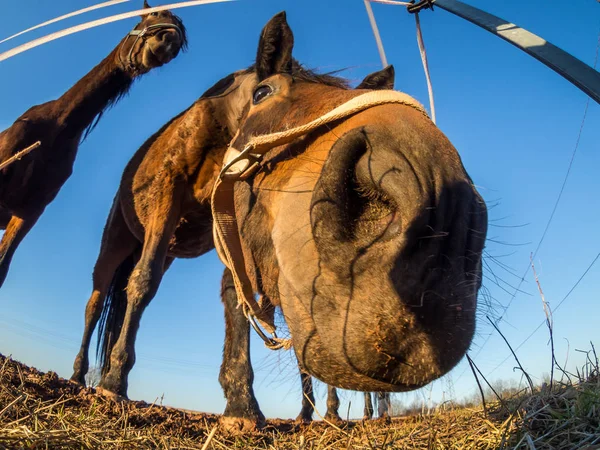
[162, 211]
[29, 185]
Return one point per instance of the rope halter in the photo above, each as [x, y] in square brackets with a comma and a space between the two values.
[240, 165]
[140, 34]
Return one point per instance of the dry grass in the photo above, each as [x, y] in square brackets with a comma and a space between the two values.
[565, 417]
[40, 410]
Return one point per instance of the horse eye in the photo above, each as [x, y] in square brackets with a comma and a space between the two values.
[154, 14]
[260, 93]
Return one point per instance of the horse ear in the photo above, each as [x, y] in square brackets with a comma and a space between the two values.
[146, 5]
[382, 79]
[274, 54]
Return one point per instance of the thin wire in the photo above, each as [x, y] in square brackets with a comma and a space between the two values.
[65, 16]
[555, 309]
[558, 198]
[67, 342]
[96, 23]
[587, 103]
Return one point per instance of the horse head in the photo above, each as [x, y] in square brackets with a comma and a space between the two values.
[366, 229]
[155, 41]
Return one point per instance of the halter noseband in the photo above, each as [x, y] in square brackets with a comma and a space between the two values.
[140, 34]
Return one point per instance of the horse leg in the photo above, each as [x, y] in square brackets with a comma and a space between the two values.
[141, 289]
[333, 405]
[236, 377]
[308, 397]
[16, 229]
[117, 244]
[383, 401]
[368, 412]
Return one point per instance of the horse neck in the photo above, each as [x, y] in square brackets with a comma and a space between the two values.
[100, 87]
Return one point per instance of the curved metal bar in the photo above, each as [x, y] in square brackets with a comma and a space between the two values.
[65, 16]
[96, 23]
[566, 65]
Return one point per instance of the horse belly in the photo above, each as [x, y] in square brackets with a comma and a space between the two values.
[193, 237]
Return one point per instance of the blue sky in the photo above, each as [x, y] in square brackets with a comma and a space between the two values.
[514, 122]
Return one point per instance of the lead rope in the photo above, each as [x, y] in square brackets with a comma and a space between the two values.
[240, 165]
[413, 8]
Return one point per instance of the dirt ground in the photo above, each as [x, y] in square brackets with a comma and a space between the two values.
[41, 410]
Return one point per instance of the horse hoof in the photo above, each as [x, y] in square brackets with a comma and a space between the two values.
[240, 424]
[334, 418]
[110, 394]
[304, 420]
[80, 381]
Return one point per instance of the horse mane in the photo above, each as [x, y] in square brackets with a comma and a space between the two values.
[124, 85]
[184, 38]
[301, 73]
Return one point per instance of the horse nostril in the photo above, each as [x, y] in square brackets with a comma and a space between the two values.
[168, 37]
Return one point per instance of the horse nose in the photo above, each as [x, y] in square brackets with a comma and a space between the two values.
[395, 217]
[170, 37]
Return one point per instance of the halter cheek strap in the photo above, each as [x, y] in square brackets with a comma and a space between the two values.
[139, 34]
[240, 165]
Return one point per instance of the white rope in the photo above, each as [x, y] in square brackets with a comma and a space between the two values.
[419, 42]
[96, 23]
[376, 33]
[425, 67]
[262, 143]
[66, 16]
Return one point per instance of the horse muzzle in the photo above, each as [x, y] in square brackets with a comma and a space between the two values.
[399, 236]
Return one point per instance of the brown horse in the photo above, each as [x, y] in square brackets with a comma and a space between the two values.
[162, 211]
[29, 185]
[367, 232]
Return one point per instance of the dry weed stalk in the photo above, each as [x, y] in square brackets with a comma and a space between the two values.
[514, 354]
[549, 319]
